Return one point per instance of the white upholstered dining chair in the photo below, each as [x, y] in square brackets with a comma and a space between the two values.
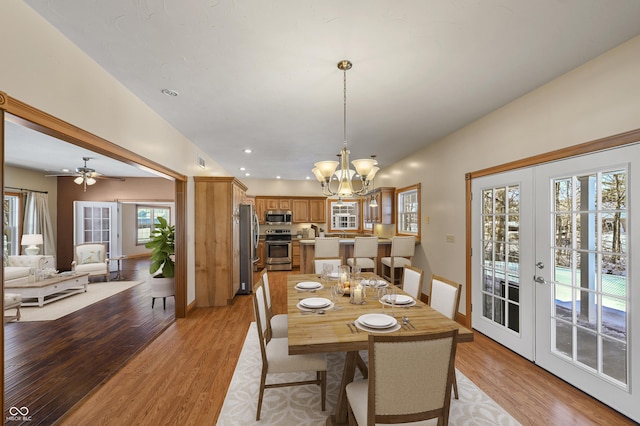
[399, 388]
[445, 298]
[276, 358]
[327, 251]
[365, 253]
[412, 281]
[279, 323]
[402, 250]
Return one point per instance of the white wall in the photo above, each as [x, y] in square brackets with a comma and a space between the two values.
[598, 99]
[43, 69]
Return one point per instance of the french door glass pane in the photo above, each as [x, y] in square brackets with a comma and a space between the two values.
[501, 256]
[590, 272]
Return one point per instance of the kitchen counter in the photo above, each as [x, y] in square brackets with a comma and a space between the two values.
[307, 252]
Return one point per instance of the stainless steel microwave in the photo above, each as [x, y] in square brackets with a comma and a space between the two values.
[278, 217]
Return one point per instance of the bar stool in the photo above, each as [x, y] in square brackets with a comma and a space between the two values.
[327, 251]
[402, 251]
[365, 253]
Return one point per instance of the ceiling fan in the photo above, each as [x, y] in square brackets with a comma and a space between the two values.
[86, 175]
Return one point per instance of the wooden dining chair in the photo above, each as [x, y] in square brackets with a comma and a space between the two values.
[365, 253]
[399, 388]
[412, 281]
[402, 250]
[276, 358]
[327, 251]
[445, 298]
[279, 323]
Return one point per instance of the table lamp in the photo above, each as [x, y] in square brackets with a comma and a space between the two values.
[31, 241]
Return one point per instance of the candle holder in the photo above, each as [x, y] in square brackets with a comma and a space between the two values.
[358, 295]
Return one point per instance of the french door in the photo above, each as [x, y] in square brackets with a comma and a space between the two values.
[553, 281]
[98, 222]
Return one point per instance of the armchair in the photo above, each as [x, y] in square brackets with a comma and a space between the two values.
[91, 258]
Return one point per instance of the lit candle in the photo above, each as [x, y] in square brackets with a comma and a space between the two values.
[357, 295]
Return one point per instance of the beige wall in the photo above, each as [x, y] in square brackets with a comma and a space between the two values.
[598, 99]
[43, 69]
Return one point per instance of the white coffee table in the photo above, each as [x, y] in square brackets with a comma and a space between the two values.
[51, 289]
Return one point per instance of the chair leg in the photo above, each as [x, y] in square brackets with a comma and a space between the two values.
[323, 389]
[153, 301]
[455, 386]
[263, 380]
[164, 303]
[364, 369]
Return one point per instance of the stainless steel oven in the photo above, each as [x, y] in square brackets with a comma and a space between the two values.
[277, 245]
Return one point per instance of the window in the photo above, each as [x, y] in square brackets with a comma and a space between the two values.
[344, 216]
[12, 213]
[408, 210]
[147, 221]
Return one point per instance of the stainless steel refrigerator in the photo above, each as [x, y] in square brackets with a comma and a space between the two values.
[249, 234]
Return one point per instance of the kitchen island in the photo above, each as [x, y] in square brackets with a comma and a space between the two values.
[307, 252]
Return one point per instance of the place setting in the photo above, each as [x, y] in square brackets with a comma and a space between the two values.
[400, 301]
[377, 323]
[308, 286]
[316, 305]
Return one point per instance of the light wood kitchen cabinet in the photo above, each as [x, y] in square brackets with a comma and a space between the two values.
[318, 210]
[384, 213]
[278, 203]
[260, 253]
[300, 210]
[217, 248]
[295, 253]
[261, 208]
[303, 209]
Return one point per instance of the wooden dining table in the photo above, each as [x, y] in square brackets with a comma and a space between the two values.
[333, 330]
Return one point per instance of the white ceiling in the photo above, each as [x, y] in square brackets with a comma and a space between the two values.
[262, 74]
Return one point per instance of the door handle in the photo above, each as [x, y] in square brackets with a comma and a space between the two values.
[539, 280]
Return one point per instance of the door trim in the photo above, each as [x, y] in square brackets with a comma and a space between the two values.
[614, 141]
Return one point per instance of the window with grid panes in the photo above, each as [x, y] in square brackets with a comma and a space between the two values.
[344, 216]
[408, 210]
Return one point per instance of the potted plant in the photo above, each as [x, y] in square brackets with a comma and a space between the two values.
[162, 267]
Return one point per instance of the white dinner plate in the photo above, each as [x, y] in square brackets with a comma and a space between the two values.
[406, 305]
[315, 302]
[333, 275]
[308, 285]
[377, 320]
[401, 299]
[377, 284]
[376, 330]
[324, 308]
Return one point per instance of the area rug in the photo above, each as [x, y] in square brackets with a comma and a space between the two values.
[95, 292]
[300, 405]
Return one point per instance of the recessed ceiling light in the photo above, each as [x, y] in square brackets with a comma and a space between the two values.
[307, 178]
[247, 151]
[277, 177]
[247, 174]
[243, 169]
[169, 92]
[65, 170]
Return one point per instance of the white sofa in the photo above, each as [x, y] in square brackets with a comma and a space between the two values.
[17, 268]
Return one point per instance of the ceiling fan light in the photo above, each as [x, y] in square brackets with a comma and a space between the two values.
[91, 181]
[364, 166]
[79, 180]
[326, 168]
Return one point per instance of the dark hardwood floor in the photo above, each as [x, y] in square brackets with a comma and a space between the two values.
[181, 378]
[52, 365]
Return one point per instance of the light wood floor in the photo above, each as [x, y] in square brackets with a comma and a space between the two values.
[181, 378]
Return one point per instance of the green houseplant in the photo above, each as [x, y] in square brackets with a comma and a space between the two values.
[162, 247]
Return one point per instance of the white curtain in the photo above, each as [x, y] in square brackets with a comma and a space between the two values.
[38, 221]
